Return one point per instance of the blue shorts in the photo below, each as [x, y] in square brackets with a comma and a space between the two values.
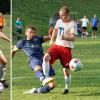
[35, 61]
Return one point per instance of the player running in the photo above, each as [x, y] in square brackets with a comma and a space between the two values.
[64, 33]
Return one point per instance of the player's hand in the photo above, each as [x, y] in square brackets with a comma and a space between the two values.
[63, 37]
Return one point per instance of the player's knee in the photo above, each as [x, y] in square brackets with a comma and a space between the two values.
[37, 68]
[38, 72]
[3, 60]
[51, 85]
[47, 57]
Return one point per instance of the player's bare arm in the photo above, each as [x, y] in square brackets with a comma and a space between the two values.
[3, 36]
[54, 35]
[46, 38]
[14, 50]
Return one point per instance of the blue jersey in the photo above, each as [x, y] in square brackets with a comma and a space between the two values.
[94, 22]
[33, 47]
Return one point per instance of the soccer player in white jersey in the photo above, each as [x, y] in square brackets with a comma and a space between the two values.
[64, 34]
[85, 23]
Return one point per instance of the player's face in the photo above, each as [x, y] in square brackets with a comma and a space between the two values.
[63, 16]
[30, 33]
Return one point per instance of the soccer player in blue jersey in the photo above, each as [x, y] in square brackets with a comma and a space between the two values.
[32, 46]
[94, 26]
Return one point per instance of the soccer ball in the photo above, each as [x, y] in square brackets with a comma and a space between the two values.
[75, 64]
[1, 87]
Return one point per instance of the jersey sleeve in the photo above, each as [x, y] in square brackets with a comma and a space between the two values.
[20, 44]
[41, 39]
[57, 24]
[73, 29]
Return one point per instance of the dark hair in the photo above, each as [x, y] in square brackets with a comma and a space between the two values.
[66, 9]
[31, 27]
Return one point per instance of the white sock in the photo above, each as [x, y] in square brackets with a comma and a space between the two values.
[46, 68]
[3, 72]
[67, 82]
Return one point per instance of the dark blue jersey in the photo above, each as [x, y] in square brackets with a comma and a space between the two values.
[33, 47]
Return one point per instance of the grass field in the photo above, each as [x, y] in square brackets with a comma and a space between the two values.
[5, 47]
[85, 83]
[37, 12]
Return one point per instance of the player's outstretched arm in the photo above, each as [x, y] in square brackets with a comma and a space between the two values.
[54, 35]
[14, 50]
[46, 38]
[3, 36]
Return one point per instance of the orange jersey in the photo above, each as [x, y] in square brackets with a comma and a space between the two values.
[2, 21]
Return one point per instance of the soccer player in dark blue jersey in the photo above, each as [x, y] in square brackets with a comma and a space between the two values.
[32, 46]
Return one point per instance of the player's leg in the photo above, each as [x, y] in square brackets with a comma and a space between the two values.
[36, 66]
[51, 84]
[47, 88]
[42, 89]
[67, 77]
[3, 62]
[19, 34]
[49, 58]
[46, 64]
[65, 57]
[95, 32]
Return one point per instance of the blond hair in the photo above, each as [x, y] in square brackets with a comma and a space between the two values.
[66, 9]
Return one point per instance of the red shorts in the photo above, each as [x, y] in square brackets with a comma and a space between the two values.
[60, 52]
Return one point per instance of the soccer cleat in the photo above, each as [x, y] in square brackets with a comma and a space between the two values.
[34, 90]
[47, 80]
[5, 84]
[66, 91]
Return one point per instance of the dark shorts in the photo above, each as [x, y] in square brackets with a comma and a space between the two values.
[84, 28]
[1, 27]
[36, 61]
[19, 31]
[94, 28]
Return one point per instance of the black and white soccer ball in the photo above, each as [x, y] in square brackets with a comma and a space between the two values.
[1, 87]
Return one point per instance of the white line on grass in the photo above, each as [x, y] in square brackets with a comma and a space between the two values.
[86, 77]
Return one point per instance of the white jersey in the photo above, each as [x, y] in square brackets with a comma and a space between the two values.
[85, 22]
[65, 28]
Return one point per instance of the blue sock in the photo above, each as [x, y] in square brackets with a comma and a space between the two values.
[44, 89]
[39, 74]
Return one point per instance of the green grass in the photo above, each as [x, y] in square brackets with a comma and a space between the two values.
[37, 12]
[5, 47]
[85, 83]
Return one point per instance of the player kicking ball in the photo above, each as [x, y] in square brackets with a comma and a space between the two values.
[63, 35]
[32, 46]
